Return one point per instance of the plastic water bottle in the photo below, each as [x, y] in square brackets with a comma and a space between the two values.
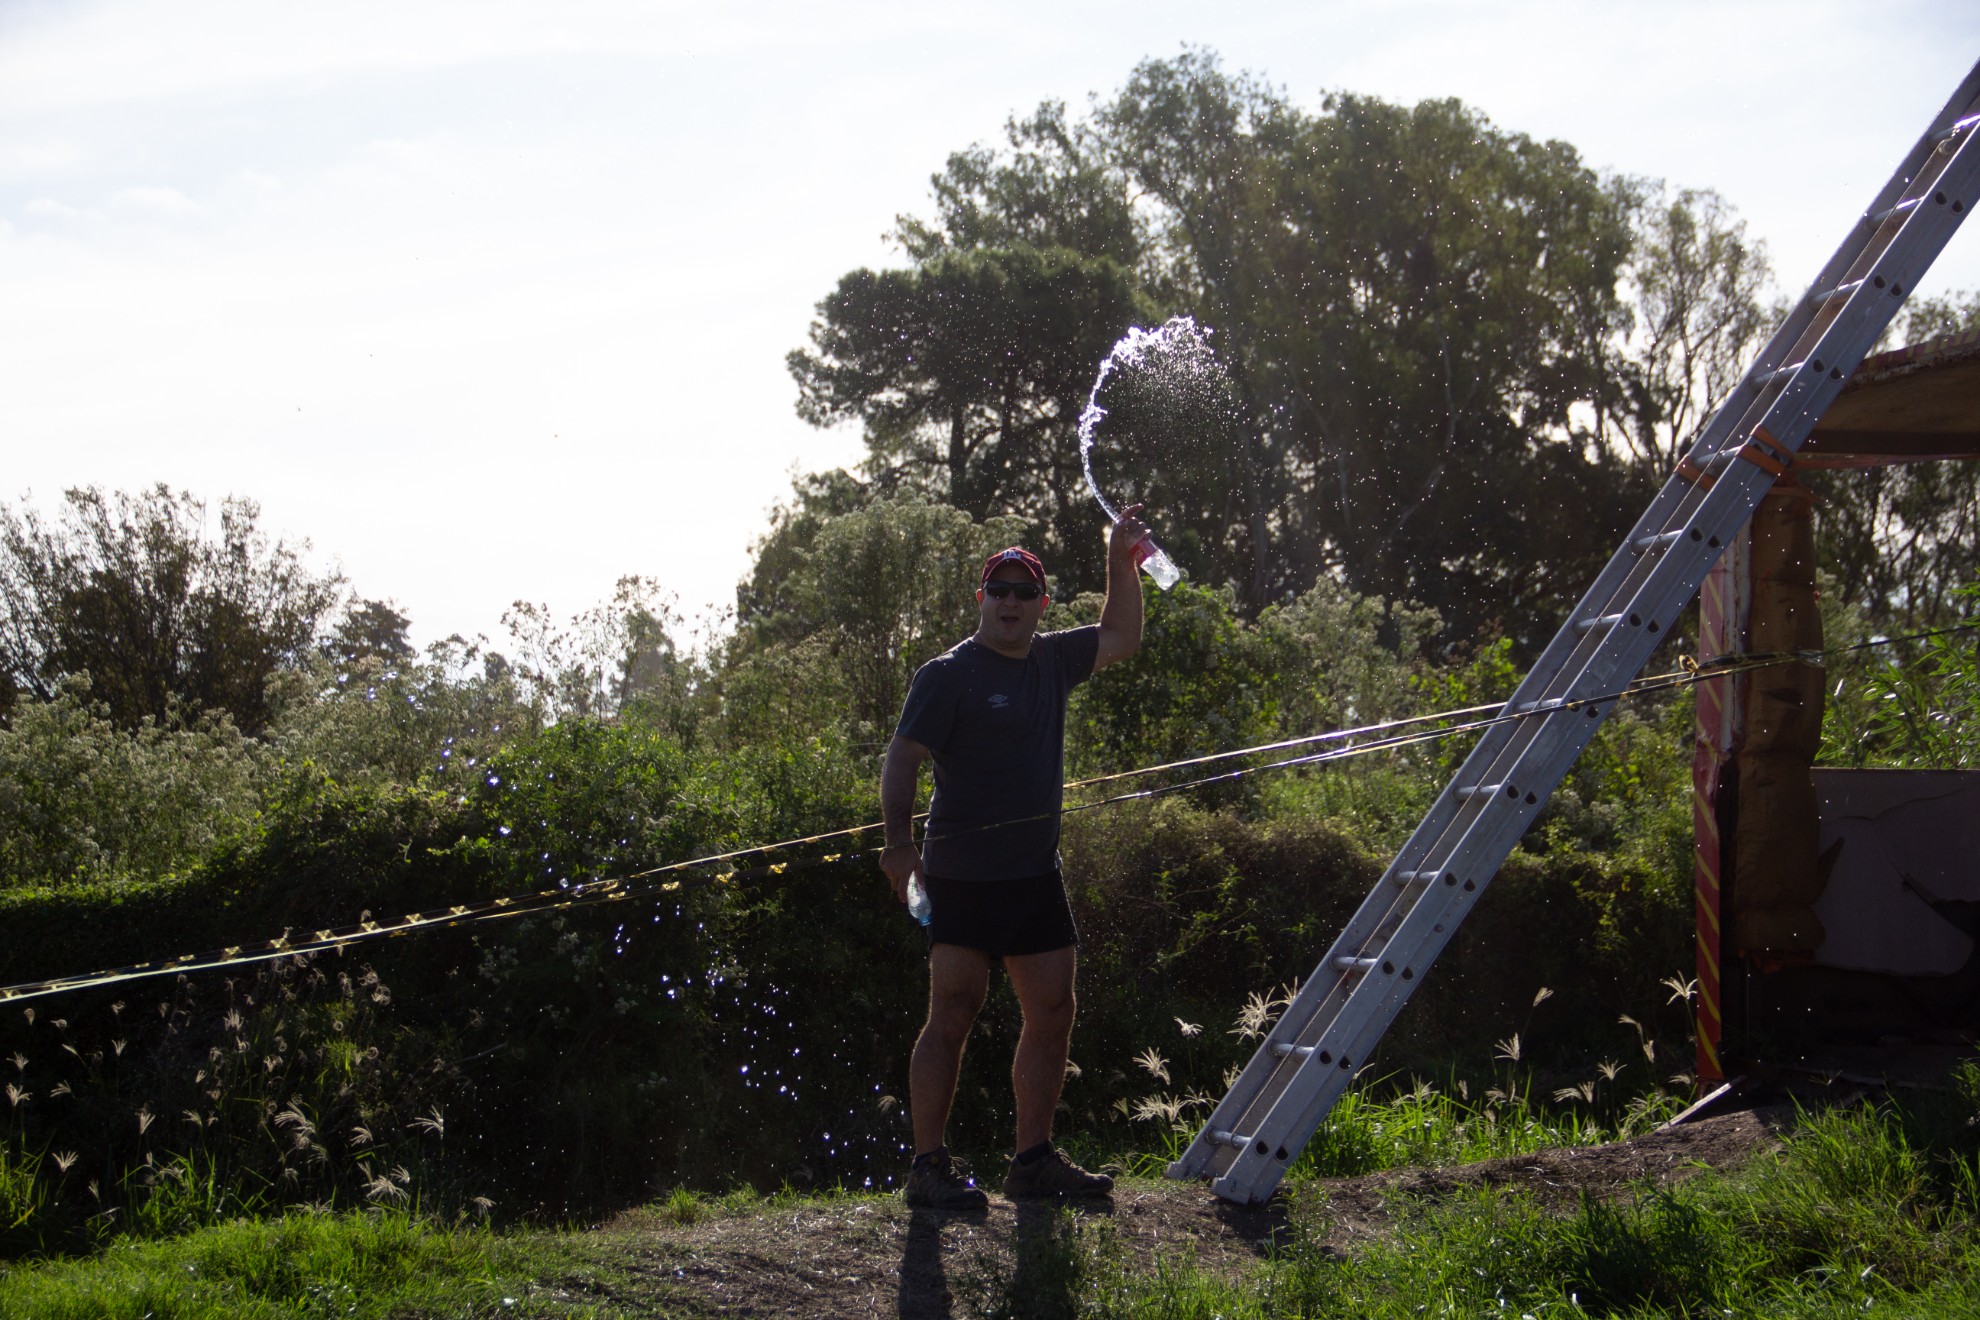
[918, 905]
[1155, 563]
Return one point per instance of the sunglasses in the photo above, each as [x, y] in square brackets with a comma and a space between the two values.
[1026, 591]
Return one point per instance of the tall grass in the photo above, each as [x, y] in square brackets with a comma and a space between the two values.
[187, 1111]
[1865, 1208]
[1385, 1122]
[1425, 1126]
[1378, 1125]
[22, 1193]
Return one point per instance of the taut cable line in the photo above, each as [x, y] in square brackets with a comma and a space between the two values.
[695, 873]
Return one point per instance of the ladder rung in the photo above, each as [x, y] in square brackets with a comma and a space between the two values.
[1347, 962]
[1702, 475]
[1228, 1138]
[1660, 539]
[1589, 625]
[1781, 373]
[1483, 790]
[1908, 204]
[1958, 128]
[1550, 703]
[1285, 1049]
[1411, 877]
[1827, 296]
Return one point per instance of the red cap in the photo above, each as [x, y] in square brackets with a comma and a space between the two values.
[1024, 559]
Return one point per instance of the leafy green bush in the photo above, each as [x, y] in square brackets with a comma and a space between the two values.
[1204, 681]
[1915, 708]
[380, 720]
[84, 801]
[1197, 925]
[550, 1063]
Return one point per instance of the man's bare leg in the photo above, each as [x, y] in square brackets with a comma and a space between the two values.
[1044, 985]
[958, 979]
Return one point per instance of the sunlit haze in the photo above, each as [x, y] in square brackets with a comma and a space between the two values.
[492, 301]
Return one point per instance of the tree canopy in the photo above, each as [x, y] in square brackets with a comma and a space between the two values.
[1901, 541]
[855, 600]
[1410, 301]
[1463, 358]
[158, 605]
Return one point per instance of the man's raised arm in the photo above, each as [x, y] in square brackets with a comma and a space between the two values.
[1120, 616]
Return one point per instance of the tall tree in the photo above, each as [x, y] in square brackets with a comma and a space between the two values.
[1696, 283]
[855, 601]
[1954, 313]
[370, 628]
[969, 369]
[969, 372]
[1414, 299]
[1902, 541]
[161, 607]
[601, 660]
[1050, 187]
[1409, 301]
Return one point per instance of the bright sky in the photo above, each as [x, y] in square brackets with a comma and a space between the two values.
[491, 300]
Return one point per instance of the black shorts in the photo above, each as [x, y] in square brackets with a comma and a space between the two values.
[1001, 917]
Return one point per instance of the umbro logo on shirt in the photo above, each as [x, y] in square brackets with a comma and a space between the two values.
[998, 701]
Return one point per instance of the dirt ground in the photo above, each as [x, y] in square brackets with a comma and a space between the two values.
[824, 1258]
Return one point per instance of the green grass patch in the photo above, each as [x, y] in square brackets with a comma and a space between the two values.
[1377, 1126]
[1424, 1126]
[1863, 1208]
[1851, 1215]
[368, 1264]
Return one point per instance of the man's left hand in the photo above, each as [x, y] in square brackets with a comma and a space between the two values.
[899, 861]
[1127, 533]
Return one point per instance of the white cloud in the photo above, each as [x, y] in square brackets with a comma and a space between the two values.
[154, 201]
[50, 209]
[29, 157]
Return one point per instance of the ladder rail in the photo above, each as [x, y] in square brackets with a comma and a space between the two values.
[1449, 831]
[1262, 1079]
[1864, 256]
[1310, 1054]
[1318, 999]
[1291, 1114]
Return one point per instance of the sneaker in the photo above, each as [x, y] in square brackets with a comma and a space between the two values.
[943, 1184]
[1052, 1174]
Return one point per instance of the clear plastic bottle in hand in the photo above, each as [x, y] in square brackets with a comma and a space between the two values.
[918, 905]
[1155, 563]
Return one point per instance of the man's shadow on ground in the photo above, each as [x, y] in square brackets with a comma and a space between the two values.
[1045, 1278]
[924, 1283]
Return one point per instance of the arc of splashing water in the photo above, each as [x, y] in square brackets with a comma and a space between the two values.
[1133, 349]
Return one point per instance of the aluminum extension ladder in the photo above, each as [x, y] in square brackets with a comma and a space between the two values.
[1335, 1021]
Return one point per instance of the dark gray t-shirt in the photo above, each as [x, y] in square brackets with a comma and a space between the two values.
[997, 729]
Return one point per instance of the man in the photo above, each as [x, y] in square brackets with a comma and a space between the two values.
[990, 712]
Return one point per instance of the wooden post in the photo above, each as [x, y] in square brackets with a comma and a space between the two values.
[1754, 818]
